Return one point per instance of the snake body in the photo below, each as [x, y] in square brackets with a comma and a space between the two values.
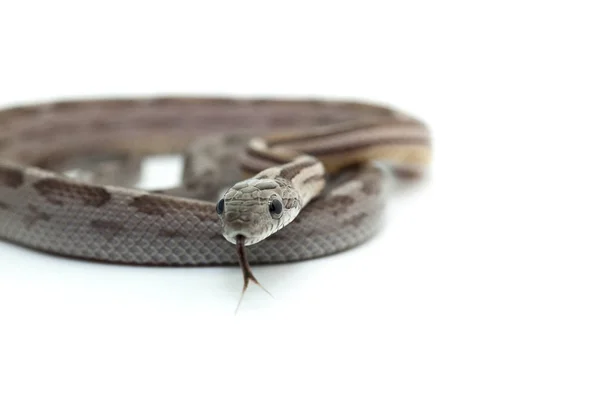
[310, 160]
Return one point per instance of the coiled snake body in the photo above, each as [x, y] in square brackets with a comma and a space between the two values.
[311, 158]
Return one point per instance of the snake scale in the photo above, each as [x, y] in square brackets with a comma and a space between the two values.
[309, 155]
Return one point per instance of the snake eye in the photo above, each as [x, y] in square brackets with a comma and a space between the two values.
[275, 207]
[220, 206]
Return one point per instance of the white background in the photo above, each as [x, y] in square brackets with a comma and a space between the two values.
[484, 282]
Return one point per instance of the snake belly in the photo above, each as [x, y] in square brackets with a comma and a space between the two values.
[43, 208]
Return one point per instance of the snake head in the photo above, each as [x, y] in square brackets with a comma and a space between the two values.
[256, 208]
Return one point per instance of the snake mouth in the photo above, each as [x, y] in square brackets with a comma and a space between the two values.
[240, 240]
[236, 238]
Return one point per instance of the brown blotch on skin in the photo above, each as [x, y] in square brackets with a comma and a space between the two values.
[67, 105]
[150, 205]
[11, 177]
[4, 205]
[340, 203]
[408, 174]
[163, 102]
[371, 186]
[336, 202]
[355, 220]
[342, 200]
[114, 103]
[159, 206]
[167, 233]
[19, 111]
[194, 101]
[34, 216]
[58, 191]
[170, 233]
[106, 227]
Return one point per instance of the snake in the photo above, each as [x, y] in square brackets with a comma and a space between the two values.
[306, 177]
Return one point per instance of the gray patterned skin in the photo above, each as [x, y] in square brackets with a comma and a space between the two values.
[42, 208]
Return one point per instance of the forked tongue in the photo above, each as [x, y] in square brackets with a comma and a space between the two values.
[240, 240]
